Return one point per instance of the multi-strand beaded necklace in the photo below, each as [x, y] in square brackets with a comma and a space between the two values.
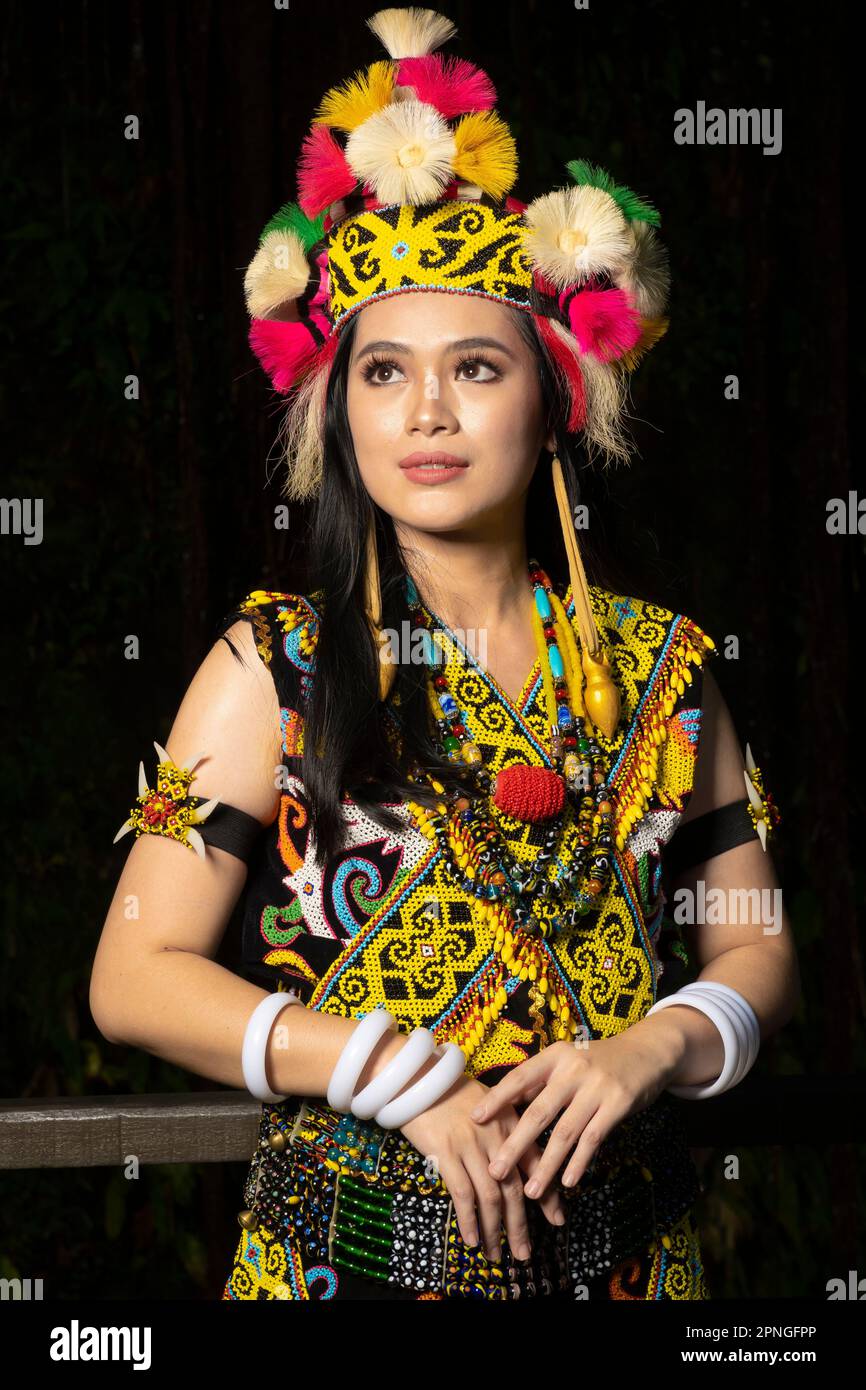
[523, 904]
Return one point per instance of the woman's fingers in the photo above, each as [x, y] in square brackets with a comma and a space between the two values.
[462, 1193]
[489, 1202]
[550, 1201]
[586, 1150]
[579, 1132]
[522, 1083]
[535, 1118]
[515, 1218]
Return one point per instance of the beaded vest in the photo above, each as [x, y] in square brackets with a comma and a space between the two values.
[385, 923]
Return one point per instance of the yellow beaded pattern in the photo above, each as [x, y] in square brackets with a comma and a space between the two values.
[598, 981]
[458, 247]
[442, 958]
[640, 778]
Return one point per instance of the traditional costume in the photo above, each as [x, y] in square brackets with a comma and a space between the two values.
[532, 912]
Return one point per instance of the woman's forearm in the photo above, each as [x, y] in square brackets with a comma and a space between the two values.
[190, 1011]
[691, 1045]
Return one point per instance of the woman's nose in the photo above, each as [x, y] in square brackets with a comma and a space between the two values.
[430, 407]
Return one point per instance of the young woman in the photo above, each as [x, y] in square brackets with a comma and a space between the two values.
[455, 783]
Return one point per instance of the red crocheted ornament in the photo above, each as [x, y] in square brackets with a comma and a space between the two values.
[529, 793]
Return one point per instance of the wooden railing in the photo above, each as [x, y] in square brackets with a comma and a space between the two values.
[221, 1126]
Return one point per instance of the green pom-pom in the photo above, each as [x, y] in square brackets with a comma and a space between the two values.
[634, 208]
[292, 218]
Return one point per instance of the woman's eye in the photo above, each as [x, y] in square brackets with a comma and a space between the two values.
[381, 373]
[478, 371]
[384, 373]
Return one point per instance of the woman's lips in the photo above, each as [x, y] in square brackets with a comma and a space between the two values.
[434, 467]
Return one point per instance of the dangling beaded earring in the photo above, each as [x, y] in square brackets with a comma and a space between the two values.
[373, 610]
[601, 696]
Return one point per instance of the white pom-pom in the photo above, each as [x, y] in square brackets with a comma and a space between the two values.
[646, 273]
[575, 233]
[412, 32]
[278, 272]
[403, 152]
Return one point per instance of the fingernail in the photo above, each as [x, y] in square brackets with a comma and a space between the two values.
[559, 1218]
[533, 1188]
[477, 1113]
[523, 1252]
[497, 1169]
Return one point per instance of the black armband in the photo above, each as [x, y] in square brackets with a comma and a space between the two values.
[230, 828]
[708, 835]
[169, 810]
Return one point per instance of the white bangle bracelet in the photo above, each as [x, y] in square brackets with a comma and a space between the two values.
[736, 998]
[428, 1089]
[354, 1057]
[400, 1069]
[255, 1047]
[738, 1019]
[715, 1011]
[746, 1013]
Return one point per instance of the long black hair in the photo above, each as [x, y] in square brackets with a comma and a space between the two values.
[346, 748]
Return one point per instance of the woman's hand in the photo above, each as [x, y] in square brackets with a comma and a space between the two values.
[462, 1152]
[590, 1086]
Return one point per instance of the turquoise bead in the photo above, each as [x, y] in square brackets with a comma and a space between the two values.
[555, 657]
[542, 603]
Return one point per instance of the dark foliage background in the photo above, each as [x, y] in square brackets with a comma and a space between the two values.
[128, 256]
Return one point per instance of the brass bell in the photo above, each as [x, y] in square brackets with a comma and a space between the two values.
[248, 1220]
[601, 695]
[277, 1140]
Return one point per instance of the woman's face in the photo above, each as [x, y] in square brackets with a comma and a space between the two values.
[445, 378]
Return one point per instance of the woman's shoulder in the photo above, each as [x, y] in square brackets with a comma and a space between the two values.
[285, 629]
[631, 620]
[275, 615]
[649, 644]
[658, 658]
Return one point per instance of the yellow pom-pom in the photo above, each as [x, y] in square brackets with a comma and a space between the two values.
[486, 153]
[363, 95]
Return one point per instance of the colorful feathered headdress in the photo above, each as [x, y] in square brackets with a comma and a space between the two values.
[404, 184]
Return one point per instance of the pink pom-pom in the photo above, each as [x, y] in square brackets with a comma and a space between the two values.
[318, 303]
[604, 322]
[566, 361]
[284, 349]
[452, 85]
[323, 173]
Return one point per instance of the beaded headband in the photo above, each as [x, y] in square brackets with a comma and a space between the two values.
[404, 184]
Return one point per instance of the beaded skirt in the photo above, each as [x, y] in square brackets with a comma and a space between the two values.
[336, 1207]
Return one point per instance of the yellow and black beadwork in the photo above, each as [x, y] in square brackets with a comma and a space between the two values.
[337, 1208]
[168, 809]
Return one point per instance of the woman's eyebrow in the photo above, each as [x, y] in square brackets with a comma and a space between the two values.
[386, 345]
